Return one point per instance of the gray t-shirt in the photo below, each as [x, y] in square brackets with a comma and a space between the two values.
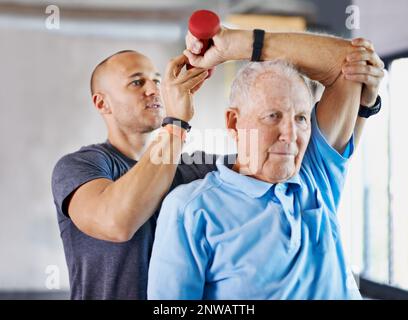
[101, 269]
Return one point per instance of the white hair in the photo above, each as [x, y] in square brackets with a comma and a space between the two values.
[247, 75]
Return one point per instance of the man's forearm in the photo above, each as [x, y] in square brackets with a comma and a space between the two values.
[337, 112]
[319, 57]
[358, 129]
[131, 200]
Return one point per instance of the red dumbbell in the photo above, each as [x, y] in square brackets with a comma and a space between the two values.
[204, 25]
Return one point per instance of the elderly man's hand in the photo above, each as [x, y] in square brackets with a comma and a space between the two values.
[220, 51]
[364, 65]
[178, 88]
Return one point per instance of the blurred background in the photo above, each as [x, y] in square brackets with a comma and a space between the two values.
[48, 51]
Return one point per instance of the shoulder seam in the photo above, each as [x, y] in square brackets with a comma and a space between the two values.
[195, 195]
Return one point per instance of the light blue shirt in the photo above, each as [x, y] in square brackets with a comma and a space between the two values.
[230, 236]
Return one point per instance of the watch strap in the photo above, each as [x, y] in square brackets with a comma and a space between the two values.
[366, 112]
[257, 45]
[178, 122]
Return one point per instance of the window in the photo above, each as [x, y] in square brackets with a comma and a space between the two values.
[373, 214]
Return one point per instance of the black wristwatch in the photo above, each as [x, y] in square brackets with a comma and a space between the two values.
[366, 112]
[257, 45]
[178, 122]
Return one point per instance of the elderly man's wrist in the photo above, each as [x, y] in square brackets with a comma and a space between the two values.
[366, 112]
[368, 105]
[240, 45]
[371, 103]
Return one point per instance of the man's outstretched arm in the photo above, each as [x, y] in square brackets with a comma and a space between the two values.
[364, 67]
[338, 108]
[320, 57]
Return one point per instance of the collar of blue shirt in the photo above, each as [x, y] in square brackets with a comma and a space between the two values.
[253, 187]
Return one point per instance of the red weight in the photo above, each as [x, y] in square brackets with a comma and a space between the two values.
[204, 24]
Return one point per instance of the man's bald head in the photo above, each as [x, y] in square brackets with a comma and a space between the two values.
[98, 71]
[126, 91]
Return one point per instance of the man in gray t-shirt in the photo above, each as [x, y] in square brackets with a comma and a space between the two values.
[101, 269]
[107, 194]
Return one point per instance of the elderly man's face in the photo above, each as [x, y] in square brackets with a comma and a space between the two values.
[279, 109]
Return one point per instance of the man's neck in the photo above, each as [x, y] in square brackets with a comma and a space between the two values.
[131, 145]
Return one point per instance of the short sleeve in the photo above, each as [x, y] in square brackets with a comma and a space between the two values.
[180, 252]
[322, 162]
[75, 169]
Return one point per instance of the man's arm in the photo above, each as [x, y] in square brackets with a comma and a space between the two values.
[337, 111]
[364, 67]
[337, 117]
[319, 57]
[114, 211]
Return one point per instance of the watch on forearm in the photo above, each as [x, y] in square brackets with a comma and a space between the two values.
[366, 112]
[257, 45]
[178, 122]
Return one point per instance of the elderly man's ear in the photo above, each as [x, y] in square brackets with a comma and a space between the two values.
[231, 118]
[100, 103]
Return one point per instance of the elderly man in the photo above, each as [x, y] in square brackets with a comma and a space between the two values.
[272, 232]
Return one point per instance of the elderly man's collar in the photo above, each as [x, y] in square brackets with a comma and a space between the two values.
[253, 187]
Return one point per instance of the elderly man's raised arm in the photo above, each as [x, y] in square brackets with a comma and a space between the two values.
[319, 57]
[337, 112]
[365, 67]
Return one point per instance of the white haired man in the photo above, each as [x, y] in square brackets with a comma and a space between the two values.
[271, 233]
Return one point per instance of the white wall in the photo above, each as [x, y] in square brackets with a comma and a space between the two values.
[384, 23]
